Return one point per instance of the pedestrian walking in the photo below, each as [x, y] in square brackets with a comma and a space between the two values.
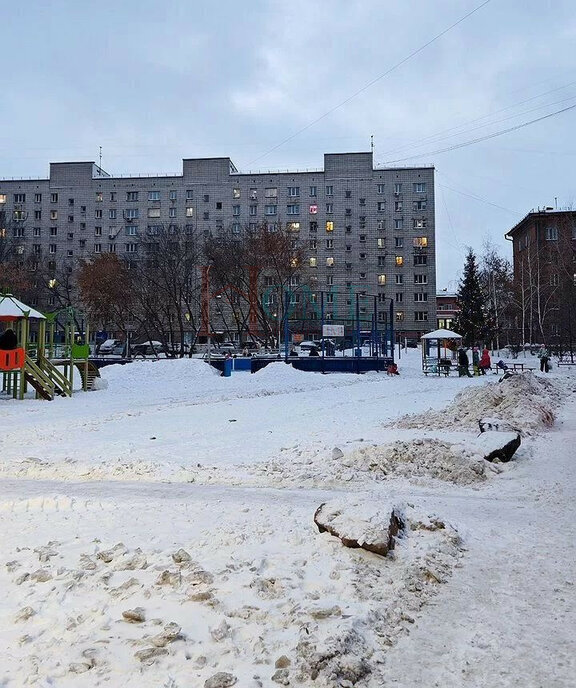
[485, 361]
[476, 360]
[544, 356]
[463, 363]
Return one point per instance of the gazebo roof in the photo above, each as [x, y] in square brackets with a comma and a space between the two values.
[12, 308]
[442, 334]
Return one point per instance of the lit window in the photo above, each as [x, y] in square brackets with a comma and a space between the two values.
[294, 263]
[419, 223]
[329, 262]
[153, 212]
[99, 196]
[190, 211]
[236, 193]
[2, 199]
[313, 262]
[381, 280]
[53, 214]
[294, 226]
[313, 209]
[399, 260]
[329, 226]
[19, 215]
[420, 242]
[399, 316]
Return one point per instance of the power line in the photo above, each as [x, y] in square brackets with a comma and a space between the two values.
[371, 83]
[483, 138]
[482, 200]
[433, 138]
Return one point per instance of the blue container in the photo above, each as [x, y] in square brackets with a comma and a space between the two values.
[228, 367]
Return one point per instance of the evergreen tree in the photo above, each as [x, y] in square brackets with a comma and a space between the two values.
[472, 320]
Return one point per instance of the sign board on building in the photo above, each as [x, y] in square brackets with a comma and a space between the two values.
[297, 338]
[332, 330]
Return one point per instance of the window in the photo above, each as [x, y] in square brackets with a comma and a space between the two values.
[348, 229]
[313, 226]
[132, 195]
[362, 238]
[399, 223]
[97, 248]
[18, 232]
[37, 231]
[330, 280]
[19, 198]
[419, 187]
[418, 205]
[420, 316]
[313, 244]
[398, 187]
[253, 210]
[362, 256]
[421, 296]
[236, 210]
[380, 188]
[381, 261]
[330, 190]
[381, 206]
[53, 214]
[329, 262]
[313, 191]
[153, 195]
[112, 214]
[381, 280]
[554, 281]
[52, 248]
[270, 209]
[131, 230]
[362, 275]
[153, 212]
[399, 279]
[235, 228]
[329, 226]
[420, 259]
[348, 212]
[329, 208]
[313, 262]
[419, 223]
[313, 209]
[205, 214]
[2, 199]
[420, 279]
[399, 242]
[420, 242]
[381, 225]
[112, 198]
[551, 233]
[329, 244]
[399, 297]
[97, 231]
[235, 193]
[189, 211]
[131, 214]
[36, 249]
[293, 191]
[172, 213]
[53, 198]
[53, 231]
[399, 316]
[70, 236]
[293, 226]
[99, 196]
[131, 248]
[397, 206]
[111, 248]
[399, 260]
[98, 214]
[189, 194]
[271, 192]
[173, 195]
[37, 198]
[19, 215]
[362, 201]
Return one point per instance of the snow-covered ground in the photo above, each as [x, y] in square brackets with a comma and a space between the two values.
[159, 531]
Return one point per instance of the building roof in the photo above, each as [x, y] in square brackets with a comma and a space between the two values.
[540, 212]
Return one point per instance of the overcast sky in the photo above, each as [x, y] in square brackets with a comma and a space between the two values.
[154, 82]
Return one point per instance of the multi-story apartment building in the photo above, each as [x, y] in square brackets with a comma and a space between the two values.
[364, 230]
[446, 309]
[544, 259]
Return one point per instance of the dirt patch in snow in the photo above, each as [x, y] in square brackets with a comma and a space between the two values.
[526, 401]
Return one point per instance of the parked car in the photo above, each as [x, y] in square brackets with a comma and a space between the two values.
[149, 348]
[111, 346]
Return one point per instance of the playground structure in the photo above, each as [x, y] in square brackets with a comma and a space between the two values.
[439, 352]
[42, 364]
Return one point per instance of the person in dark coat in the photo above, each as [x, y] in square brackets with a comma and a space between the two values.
[463, 363]
[8, 340]
[313, 351]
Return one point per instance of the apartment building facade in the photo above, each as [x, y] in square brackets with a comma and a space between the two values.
[364, 230]
[544, 261]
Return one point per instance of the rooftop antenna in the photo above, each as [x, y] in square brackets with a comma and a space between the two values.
[372, 143]
[100, 158]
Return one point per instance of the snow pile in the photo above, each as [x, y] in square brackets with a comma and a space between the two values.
[525, 400]
[149, 375]
[300, 609]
